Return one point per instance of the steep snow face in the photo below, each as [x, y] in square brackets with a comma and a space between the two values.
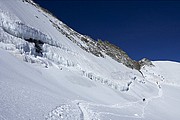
[20, 30]
[31, 32]
[47, 74]
[46, 23]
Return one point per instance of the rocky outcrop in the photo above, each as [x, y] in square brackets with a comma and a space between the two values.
[98, 48]
[144, 62]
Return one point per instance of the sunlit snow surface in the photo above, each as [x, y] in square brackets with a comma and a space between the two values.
[68, 83]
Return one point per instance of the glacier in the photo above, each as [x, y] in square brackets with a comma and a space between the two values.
[48, 71]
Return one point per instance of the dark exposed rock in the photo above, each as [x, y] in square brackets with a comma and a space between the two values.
[145, 61]
[38, 45]
[97, 48]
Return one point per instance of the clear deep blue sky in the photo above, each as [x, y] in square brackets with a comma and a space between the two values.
[148, 29]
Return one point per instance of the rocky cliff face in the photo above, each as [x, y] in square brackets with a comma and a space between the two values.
[146, 62]
[101, 48]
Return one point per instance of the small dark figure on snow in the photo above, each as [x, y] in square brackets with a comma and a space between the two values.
[144, 99]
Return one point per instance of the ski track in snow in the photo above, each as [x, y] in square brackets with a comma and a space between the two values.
[160, 93]
[87, 114]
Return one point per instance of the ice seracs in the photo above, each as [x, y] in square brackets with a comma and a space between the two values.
[49, 71]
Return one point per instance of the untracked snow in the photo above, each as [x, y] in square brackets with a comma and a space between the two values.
[44, 75]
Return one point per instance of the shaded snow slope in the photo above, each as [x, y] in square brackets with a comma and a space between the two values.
[45, 74]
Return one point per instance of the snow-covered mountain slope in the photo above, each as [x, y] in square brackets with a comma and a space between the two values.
[24, 32]
[49, 71]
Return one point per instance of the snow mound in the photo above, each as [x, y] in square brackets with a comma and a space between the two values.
[66, 112]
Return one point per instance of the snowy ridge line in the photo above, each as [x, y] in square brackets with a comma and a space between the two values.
[60, 26]
[74, 36]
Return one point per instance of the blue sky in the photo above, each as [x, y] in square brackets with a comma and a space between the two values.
[148, 29]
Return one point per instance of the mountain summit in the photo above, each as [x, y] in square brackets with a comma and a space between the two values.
[49, 71]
